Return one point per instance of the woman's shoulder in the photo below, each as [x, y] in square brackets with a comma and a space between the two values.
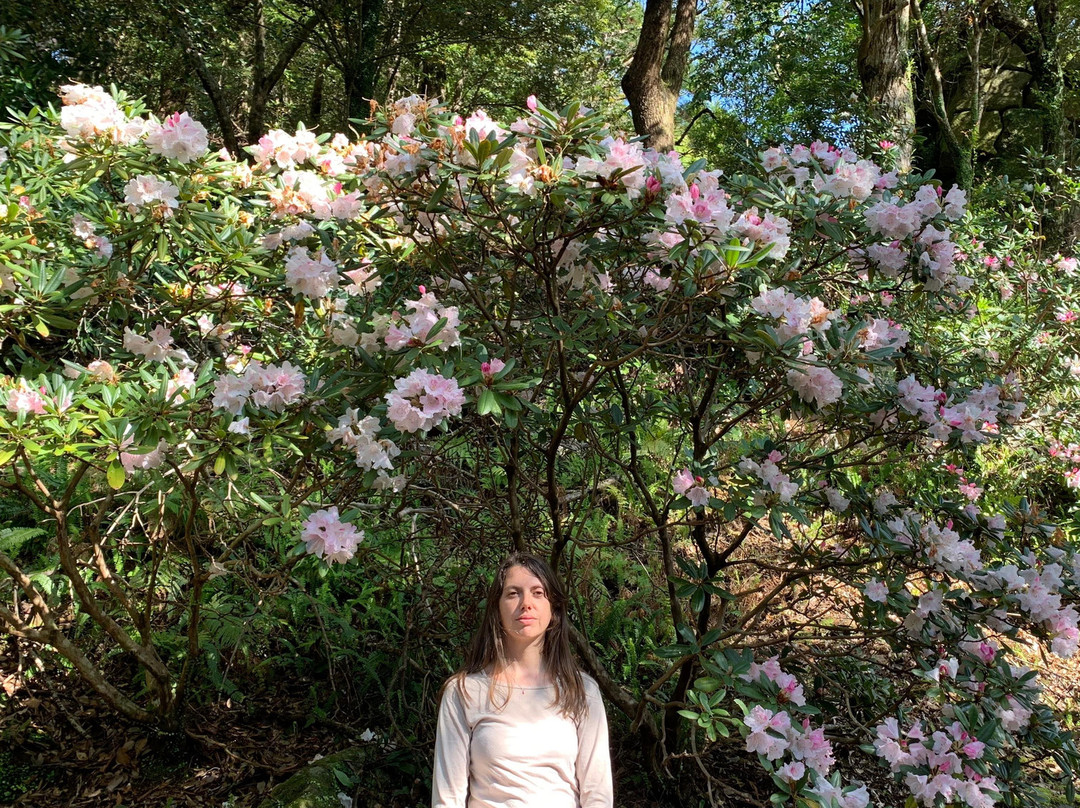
[592, 688]
[466, 676]
[464, 681]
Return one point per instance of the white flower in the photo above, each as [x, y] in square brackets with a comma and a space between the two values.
[178, 136]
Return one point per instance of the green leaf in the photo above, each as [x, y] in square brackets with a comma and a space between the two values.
[13, 538]
[440, 192]
[116, 475]
[487, 404]
[697, 602]
[707, 684]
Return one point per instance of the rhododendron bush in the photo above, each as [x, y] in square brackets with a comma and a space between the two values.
[477, 329]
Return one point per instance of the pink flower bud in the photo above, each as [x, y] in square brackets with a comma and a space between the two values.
[530, 102]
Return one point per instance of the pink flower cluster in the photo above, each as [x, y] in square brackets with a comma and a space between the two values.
[790, 689]
[975, 417]
[360, 436]
[524, 170]
[179, 137]
[704, 203]
[489, 370]
[479, 124]
[274, 387]
[1036, 590]
[765, 230]
[423, 400]
[300, 193]
[84, 230]
[769, 473]
[1071, 455]
[413, 328]
[942, 546]
[1041, 599]
[876, 591]
[796, 316]
[363, 280]
[144, 460]
[327, 537]
[628, 159]
[289, 233]
[815, 384]
[1068, 266]
[693, 488]
[965, 486]
[829, 170]
[284, 150]
[310, 276]
[883, 333]
[155, 346]
[404, 113]
[850, 797]
[775, 735]
[146, 189]
[943, 759]
[853, 180]
[23, 398]
[90, 112]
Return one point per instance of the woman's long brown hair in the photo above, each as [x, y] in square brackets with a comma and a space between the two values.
[488, 652]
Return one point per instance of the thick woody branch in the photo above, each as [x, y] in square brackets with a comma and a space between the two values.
[50, 635]
[608, 686]
[682, 36]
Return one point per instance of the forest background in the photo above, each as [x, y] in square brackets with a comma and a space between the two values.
[238, 676]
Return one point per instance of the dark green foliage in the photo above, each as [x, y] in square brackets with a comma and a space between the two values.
[772, 72]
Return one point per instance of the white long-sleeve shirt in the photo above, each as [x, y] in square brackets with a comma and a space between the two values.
[525, 754]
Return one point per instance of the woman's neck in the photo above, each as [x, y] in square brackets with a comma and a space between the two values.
[526, 667]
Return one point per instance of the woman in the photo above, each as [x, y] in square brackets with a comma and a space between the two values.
[519, 724]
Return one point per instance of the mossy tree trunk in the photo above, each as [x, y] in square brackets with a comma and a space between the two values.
[884, 64]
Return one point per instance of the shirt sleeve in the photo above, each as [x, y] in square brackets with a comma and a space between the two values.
[450, 783]
[594, 756]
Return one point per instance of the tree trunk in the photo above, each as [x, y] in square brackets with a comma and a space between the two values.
[263, 80]
[351, 45]
[655, 76]
[210, 85]
[1039, 41]
[885, 72]
[315, 108]
[961, 150]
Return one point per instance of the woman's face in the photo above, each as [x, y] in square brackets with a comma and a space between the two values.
[524, 608]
